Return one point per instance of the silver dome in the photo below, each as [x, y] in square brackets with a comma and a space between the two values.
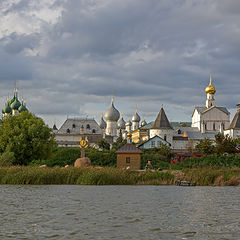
[102, 123]
[121, 123]
[128, 123]
[112, 114]
[143, 123]
[136, 117]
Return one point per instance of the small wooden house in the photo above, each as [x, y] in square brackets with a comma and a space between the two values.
[128, 156]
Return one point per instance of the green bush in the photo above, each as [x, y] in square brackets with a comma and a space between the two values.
[7, 159]
[213, 161]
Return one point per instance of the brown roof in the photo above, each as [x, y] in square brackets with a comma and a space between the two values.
[129, 148]
[161, 121]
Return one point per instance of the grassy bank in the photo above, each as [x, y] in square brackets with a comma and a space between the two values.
[115, 176]
[213, 177]
[86, 176]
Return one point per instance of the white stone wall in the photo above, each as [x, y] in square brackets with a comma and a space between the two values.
[111, 129]
[161, 133]
[196, 120]
[217, 117]
[211, 117]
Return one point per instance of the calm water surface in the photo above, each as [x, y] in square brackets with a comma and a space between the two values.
[119, 212]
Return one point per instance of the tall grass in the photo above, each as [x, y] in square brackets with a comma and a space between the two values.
[213, 177]
[84, 176]
[116, 176]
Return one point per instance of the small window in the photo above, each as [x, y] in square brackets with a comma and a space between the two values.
[68, 130]
[88, 126]
[214, 126]
[153, 144]
[165, 137]
[93, 131]
[127, 159]
[73, 126]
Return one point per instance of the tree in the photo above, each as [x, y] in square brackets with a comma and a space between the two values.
[205, 146]
[225, 144]
[27, 137]
[103, 144]
[119, 143]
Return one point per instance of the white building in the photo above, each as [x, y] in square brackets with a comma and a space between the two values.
[210, 118]
[234, 130]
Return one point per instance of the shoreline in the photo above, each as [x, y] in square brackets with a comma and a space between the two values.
[27, 175]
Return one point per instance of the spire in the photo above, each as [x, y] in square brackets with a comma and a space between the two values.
[161, 121]
[210, 89]
[112, 97]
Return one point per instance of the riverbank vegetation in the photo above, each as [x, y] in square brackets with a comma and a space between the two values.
[83, 176]
[115, 176]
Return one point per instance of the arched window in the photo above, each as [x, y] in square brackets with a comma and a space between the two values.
[214, 126]
[165, 137]
[88, 126]
[179, 131]
[68, 130]
[93, 131]
[223, 126]
[73, 126]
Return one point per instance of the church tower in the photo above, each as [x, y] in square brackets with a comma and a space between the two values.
[135, 121]
[112, 115]
[210, 91]
[162, 127]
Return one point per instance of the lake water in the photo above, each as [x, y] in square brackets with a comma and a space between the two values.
[119, 212]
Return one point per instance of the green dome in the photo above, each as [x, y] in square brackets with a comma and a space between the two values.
[16, 104]
[22, 108]
[12, 100]
[7, 108]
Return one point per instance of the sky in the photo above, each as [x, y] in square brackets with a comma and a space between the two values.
[69, 56]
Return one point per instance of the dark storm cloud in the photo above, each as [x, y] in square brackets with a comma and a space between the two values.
[149, 52]
[14, 67]
[15, 43]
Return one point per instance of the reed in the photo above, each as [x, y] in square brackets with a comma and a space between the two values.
[116, 176]
[84, 176]
[213, 177]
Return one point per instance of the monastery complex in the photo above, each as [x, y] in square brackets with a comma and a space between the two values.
[207, 121]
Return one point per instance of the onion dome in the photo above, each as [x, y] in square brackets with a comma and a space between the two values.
[136, 117]
[7, 109]
[128, 123]
[16, 104]
[143, 123]
[12, 100]
[22, 107]
[102, 123]
[121, 123]
[112, 114]
[210, 89]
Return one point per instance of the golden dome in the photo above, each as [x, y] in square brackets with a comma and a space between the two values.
[210, 89]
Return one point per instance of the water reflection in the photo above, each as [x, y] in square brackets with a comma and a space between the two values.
[119, 212]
